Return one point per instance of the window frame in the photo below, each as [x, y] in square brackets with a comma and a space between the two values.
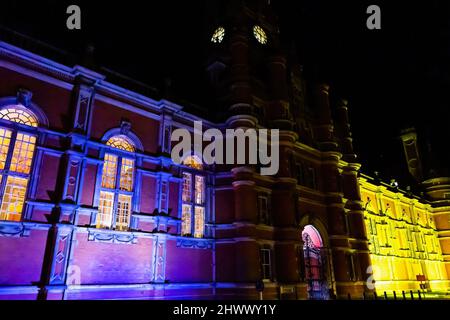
[120, 155]
[19, 128]
[264, 216]
[264, 263]
[194, 173]
[351, 263]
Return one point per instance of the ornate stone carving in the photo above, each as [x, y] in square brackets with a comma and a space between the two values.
[159, 274]
[85, 95]
[73, 169]
[24, 97]
[14, 230]
[194, 243]
[125, 127]
[111, 237]
[62, 246]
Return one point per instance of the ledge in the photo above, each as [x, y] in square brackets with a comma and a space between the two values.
[20, 229]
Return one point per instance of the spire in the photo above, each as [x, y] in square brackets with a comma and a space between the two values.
[411, 149]
[344, 128]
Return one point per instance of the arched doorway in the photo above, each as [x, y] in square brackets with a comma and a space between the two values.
[315, 263]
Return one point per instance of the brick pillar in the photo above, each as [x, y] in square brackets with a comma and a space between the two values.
[338, 236]
[247, 261]
[165, 145]
[324, 130]
[342, 121]
[240, 94]
[56, 266]
[359, 244]
[279, 107]
[245, 201]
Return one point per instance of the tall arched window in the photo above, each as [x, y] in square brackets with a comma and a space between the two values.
[193, 198]
[116, 193]
[17, 148]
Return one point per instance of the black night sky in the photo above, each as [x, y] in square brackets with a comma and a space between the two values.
[394, 78]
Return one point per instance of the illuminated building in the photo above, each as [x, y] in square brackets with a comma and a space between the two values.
[94, 208]
[404, 240]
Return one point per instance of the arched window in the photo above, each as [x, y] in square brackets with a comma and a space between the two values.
[19, 115]
[120, 142]
[116, 193]
[17, 148]
[193, 197]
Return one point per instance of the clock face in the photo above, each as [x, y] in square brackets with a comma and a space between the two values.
[218, 35]
[260, 34]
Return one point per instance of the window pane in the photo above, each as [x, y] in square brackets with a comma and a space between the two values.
[105, 210]
[263, 212]
[126, 175]
[123, 212]
[199, 222]
[163, 193]
[5, 140]
[18, 115]
[13, 199]
[23, 153]
[266, 264]
[186, 220]
[193, 162]
[199, 190]
[109, 172]
[187, 187]
[120, 142]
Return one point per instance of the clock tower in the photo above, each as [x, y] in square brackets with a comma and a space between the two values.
[246, 64]
[256, 82]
